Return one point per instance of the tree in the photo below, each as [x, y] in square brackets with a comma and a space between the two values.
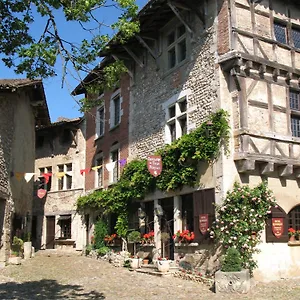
[37, 56]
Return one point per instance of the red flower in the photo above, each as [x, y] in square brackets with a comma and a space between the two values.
[292, 230]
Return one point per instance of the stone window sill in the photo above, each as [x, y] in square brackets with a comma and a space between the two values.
[186, 245]
[148, 245]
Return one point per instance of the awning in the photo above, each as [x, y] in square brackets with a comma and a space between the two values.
[60, 218]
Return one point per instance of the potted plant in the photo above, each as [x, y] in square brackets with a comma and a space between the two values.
[183, 237]
[134, 237]
[163, 264]
[148, 238]
[27, 245]
[292, 234]
[232, 278]
[16, 251]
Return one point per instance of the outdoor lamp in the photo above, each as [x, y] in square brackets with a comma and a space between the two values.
[141, 213]
[208, 128]
[158, 210]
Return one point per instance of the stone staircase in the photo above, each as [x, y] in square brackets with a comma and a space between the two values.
[151, 269]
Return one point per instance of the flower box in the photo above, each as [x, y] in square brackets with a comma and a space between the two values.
[186, 244]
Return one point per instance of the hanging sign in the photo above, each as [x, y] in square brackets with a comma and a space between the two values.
[154, 165]
[277, 227]
[41, 193]
[203, 223]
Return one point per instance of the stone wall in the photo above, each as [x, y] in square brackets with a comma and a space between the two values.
[152, 88]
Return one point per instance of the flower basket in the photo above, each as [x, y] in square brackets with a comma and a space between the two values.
[183, 237]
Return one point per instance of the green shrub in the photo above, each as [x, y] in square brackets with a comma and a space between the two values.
[134, 237]
[17, 246]
[232, 261]
[102, 250]
[100, 231]
[88, 249]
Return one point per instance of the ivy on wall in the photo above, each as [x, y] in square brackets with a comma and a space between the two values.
[180, 162]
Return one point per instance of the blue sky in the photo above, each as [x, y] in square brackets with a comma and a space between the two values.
[60, 102]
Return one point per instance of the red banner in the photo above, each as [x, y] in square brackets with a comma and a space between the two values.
[277, 227]
[154, 165]
[41, 193]
[203, 223]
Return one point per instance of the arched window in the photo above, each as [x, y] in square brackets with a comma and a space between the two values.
[294, 217]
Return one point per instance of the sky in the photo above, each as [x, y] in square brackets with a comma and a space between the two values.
[59, 99]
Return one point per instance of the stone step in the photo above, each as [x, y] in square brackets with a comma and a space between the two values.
[58, 252]
[152, 272]
[153, 267]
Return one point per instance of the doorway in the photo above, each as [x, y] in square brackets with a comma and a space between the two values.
[50, 232]
[167, 227]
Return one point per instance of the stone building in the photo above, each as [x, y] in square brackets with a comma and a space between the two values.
[106, 140]
[23, 108]
[190, 59]
[60, 157]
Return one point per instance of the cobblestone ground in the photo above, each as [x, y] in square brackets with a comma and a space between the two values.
[78, 277]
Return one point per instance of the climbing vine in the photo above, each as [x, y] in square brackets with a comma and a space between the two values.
[180, 161]
[241, 218]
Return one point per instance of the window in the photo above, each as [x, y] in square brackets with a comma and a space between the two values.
[287, 36]
[294, 218]
[100, 122]
[66, 137]
[65, 225]
[114, 157]
[99, 172]
[176, 46]
[176, 120]
[43, 184]
[295, 112]
[64, 177]
[187, 212]
[115, 111]
[280, 33]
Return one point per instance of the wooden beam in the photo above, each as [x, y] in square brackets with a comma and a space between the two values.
[267, 168]
[115, 57]
[178, 15]
[285, 171]
[297, 173]
[135, 58]
[245, 165]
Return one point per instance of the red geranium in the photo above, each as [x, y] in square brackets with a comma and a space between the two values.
[184, 236]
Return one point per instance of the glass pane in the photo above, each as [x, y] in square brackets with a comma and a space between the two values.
[171, 38]
[180, 31]
[183, 125]
[101, 121]
[60, 183]
[295, 123]
[172, 111]
[294, 100]
[60, 168]
[171, 58]
[172, 132]
[117, 110]
[182, 51]
[69, 167]
[69, 182]
[280, 33]
[296, 37]
[183, 105]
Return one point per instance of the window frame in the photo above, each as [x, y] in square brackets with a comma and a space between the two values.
[289, 30]
[173, 26]
[68, 223]
[46, 186]
[98, 157]
[294, 105]
[63, 182]
[113, 111]
[100, 123]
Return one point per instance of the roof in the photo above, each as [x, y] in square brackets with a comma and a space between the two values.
[36, 93]
[61, 122]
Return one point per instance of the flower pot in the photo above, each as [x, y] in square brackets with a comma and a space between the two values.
[163, 266]
[292, 238]
[135, 263]
[145, 261]
[27, 250]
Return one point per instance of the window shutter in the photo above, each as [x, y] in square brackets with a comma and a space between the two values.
[204, 203]
[270, 237]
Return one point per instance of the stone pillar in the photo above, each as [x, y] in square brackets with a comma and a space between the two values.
[177, 213]
[157, 232]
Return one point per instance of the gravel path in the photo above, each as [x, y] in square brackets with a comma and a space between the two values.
[78, 277]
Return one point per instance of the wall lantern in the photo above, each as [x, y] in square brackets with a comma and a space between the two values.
[208, 128]
[141, 213]
[158, 210]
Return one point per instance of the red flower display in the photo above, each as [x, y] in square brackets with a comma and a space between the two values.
[184, 236]
[148, 238]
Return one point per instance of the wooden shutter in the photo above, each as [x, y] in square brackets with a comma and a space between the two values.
[270, 237]
[204, 203]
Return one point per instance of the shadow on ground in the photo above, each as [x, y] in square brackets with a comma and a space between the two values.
[45, 289]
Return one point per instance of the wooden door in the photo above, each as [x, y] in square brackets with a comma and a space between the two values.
[50, 232]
